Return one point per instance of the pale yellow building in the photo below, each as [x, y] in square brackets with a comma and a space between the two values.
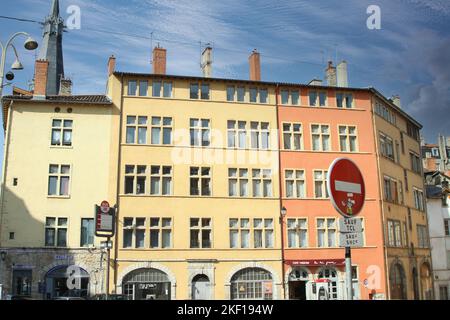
[180, 233]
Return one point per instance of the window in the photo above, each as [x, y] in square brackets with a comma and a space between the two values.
[156, 88]
[422, 236]
[262, 183]
[135, 179]
[415, 163]
[167, 89]
[390, 190]
[200, 132]
[292, 136]
[386, 146]
[291, 97]
[297, 233]
[251, 284]
[344, 100]
[348, 138]
[401, 197]
[160, 233]
[259, 135]
[204, 91]
[418, 199]
[237, 134]
[140, 128]
[394, 233]
[251, 233]
[326, 232]
[295, 184]
[161, 130]
[62, 132]
[238, 182]
[317, 98]
[383, 111]
[412, 131]
[134, 233]
[161, 180]
[320, 137]
[446, 227]
[55, 232]
[231, 92]
[132, 87]
[320, 184]
[143, 88]
[263, 94]
[200, 233]
[200, 178]
[253, 95]
[59, 180]
[87, 232]
[241, 94]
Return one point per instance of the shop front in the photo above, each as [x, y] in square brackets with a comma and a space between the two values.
[147, 284]
[66, 281]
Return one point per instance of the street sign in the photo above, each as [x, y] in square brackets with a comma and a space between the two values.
[105, 220]
[346, 188]
[351, 240]
[350, 225]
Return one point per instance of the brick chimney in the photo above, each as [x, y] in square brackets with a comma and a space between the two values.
[40, 78]
[330, 74]
[111, 65]
[159, 60]
[396, 100]
[255, 66]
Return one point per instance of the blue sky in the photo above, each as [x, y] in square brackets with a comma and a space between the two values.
[409, 56]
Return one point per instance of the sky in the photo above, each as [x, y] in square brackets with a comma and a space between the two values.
[408, 56]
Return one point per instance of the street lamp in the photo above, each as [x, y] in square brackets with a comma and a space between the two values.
[29, 44]
[283, 212]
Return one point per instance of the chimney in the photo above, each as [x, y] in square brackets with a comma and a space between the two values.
[330, 74]
[255, 66]
[315, 82]
[159, 60]
[207, 62]
[65, 87]
[396, 100]
[342, 75]
[111, 65]
[40, 79]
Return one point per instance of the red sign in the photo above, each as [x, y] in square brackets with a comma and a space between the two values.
[317, 262]
[346, 187]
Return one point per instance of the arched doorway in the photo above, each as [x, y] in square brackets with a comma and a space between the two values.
[397, 280]
[252, 284]
[201, 287]
[66, 281]
[332, 276]
[425, 281]
[297, 284]
[146, 284]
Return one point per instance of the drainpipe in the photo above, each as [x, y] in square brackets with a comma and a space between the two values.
[380, 186]
[277, 91]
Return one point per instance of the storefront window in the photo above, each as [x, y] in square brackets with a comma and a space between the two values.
[330, 274]
[22, 282]
[147, 284]
[252, 284]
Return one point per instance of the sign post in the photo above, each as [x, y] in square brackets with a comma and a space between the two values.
[347, 192]
[105, 226]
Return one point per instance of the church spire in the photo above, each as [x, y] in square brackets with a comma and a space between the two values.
[51, 49]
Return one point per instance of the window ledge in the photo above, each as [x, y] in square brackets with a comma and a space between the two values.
[61, 147]
[58, 197]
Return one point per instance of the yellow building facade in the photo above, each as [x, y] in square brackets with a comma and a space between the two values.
[173, 241]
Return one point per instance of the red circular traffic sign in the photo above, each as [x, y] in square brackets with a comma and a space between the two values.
[345, 185]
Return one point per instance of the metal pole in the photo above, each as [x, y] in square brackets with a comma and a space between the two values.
[348, 272]
[108, 267]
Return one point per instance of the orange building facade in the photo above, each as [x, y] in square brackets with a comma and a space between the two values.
[311, 137]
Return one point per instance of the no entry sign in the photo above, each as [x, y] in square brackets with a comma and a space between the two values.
[346, 187]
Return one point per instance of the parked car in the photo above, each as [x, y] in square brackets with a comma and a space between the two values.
[115, 297]
[13, 297]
